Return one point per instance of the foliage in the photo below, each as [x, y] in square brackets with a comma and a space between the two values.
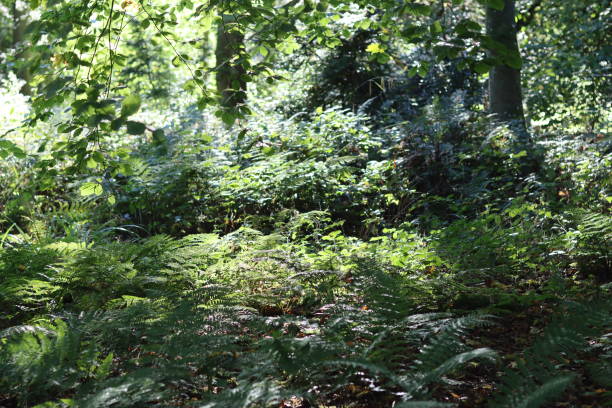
[175, 339]
[535, 380]
[568, 85]
[357, 232]
[590, 245]
[39, 361]
[25, 285]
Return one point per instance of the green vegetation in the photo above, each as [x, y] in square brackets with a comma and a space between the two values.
[305, 204]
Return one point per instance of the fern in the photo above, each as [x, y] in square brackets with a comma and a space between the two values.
[590, 244]
[205, 320]
[38, 362]
[535, 381]
[25, 281]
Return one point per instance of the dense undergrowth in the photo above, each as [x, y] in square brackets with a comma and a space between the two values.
[313, 263]
[406, 252]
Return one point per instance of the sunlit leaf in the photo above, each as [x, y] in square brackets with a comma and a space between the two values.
[91, 188]
[131, 105]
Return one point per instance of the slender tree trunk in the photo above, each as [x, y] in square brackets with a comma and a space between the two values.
[230, 47]
[505, 96]
[19, 26]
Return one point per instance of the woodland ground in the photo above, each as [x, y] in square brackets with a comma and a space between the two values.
[112, 296]
[366, 236]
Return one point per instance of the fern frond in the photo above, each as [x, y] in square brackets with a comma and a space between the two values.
[547, 392]
[16, 330]
[457, 361]
[138, 388]
[535, 380]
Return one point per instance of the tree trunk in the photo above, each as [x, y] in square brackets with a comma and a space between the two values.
[230, 47]
[505, 96]
[19, 26]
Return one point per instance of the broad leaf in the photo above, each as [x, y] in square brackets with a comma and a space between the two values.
[135, 128]
[131, 105]
[91, 188]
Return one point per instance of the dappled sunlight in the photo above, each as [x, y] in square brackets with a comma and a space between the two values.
[352, 204]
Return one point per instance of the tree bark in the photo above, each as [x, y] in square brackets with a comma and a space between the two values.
[19, 25]
[505, 95]
[230, 47]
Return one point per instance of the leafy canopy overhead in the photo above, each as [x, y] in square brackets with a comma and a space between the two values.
[75, 48]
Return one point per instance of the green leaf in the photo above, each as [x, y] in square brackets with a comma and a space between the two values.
[5, 144]
[417, 9]
[91, 164]
[242, 134]
[85, 42]
[229, 117]
[91, 188]
[446, 51]
[467, 28]
[18, 153]
[117, 123]
[54, 86]
[514, 60]
[496, 4]
[236, 85]
[375, 48]
[131, 105]
[158, 137]
[135, 128]
[97, 157]
[482, 68]
[436, 27]
[382, 58]
[423, 69]
[7, 147]
[363, 24]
